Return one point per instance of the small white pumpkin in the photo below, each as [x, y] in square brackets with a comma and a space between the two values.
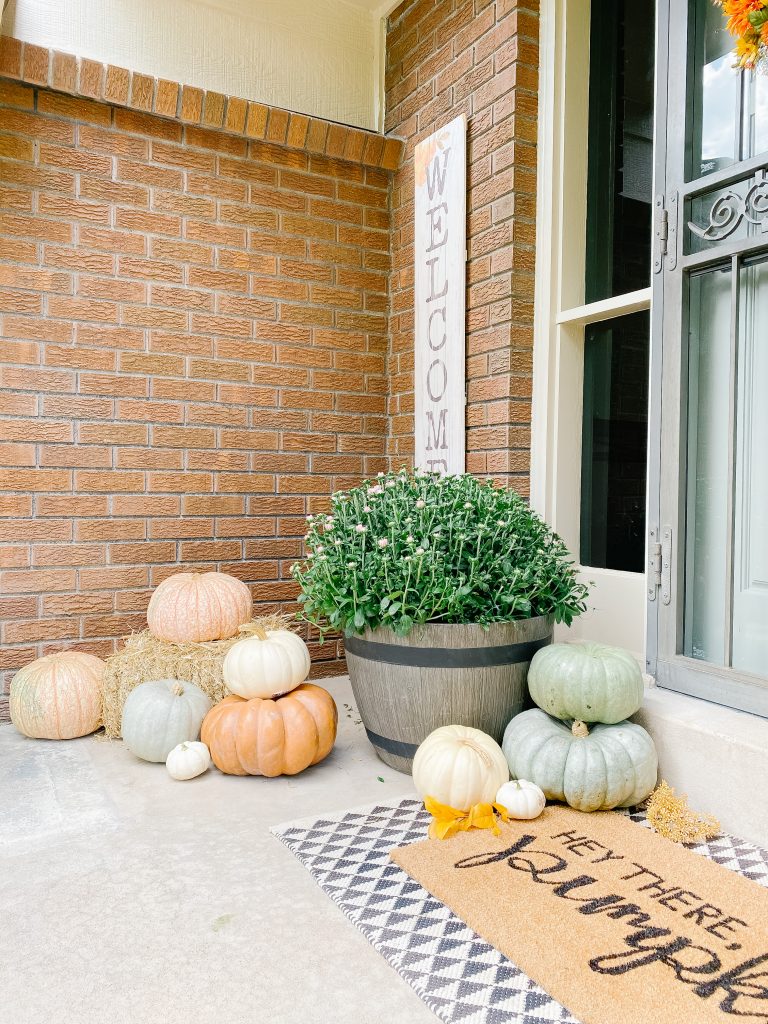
[188, 760]
[160, 714]
[460, 767]
[266, 665]
[521, 799]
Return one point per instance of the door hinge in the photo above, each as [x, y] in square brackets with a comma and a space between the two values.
[654, 563]
[660, 564]
[665, 232]
[661, 233]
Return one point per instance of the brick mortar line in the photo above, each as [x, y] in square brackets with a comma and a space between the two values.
[63, 73]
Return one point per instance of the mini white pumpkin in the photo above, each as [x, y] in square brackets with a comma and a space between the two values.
[160, 714]
[460, 767]
[188, 760]
[521, 799]
[268, 664]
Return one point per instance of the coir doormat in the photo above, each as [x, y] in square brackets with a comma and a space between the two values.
[457, 974]
[618, 924]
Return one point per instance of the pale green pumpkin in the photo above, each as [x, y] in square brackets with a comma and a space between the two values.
[160, 714]
[587, 682]
[609, 766]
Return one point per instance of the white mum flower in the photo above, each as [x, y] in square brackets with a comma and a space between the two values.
[409, 539]
[360, 528]
[366, 508]
[391, 483]
[420, 503]
[419, 551]
[319, 548]
[351, 565]
[379, 474]
[383, 543]
[310, 518]
[467, 504]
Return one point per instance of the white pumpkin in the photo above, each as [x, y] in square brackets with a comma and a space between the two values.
[268, 664]
[460, 767]
[159, 715]
[188, 760]
[521, 799]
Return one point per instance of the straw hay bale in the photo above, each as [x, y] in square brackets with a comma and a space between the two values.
[144, 657]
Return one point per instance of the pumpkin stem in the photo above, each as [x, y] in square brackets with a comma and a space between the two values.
[177, 689]
[579, 729]
[517, 784]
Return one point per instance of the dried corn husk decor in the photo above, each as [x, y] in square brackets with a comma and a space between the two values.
[145, 657]
[672, 818]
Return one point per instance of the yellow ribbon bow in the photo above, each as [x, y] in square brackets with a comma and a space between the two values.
[448, 820]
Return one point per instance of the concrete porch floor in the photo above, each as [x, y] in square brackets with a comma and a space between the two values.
[128, 898]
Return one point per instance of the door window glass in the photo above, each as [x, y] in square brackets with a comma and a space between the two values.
[620, 167]
[708, 464]
[726, 600]
[728, 109]
[750, 533]
[614, 443]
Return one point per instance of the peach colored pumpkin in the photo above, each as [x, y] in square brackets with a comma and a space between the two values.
[192, 607]
[271, 737]
[58, 697]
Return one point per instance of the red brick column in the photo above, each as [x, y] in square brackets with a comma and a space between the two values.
[445, 57]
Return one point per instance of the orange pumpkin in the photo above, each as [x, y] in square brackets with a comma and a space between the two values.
[192, 607]
[271, 737]
[58, 697]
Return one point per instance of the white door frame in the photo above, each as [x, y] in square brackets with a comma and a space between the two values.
[617, 604]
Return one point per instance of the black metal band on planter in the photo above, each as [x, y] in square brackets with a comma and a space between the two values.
[396, 747]
[444, 657]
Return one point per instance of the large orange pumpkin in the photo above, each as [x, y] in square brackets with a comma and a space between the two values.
[271, 737]
[193, 607]
[58, 697]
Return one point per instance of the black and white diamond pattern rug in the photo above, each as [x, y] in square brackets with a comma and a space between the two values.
[457, 974]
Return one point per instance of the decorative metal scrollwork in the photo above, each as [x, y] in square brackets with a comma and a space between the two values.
[730, 209]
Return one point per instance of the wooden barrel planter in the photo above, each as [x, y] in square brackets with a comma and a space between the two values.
[439, 674]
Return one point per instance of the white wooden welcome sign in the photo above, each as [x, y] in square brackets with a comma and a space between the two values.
[440, 298]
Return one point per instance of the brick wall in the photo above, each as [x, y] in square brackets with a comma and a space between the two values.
[445, 57]
[193, 355]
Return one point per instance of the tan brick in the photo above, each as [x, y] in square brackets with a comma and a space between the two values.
[108, 577]
[116, 84]
[72, 505]
[10, 56]
[77, 604]
[90, 78]
[166, 98]
[68, 554]
[36, 64]
[38, 581]
[191, 104]
[145, 505]
[76, 456]
[142, 553]
[109, 482]
[176, 529]
[142, 91]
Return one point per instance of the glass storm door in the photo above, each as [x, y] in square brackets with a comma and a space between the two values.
[708, 475]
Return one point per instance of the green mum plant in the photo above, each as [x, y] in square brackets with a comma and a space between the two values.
[415, 547]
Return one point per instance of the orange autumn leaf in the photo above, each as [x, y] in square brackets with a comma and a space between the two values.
[425, 154]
